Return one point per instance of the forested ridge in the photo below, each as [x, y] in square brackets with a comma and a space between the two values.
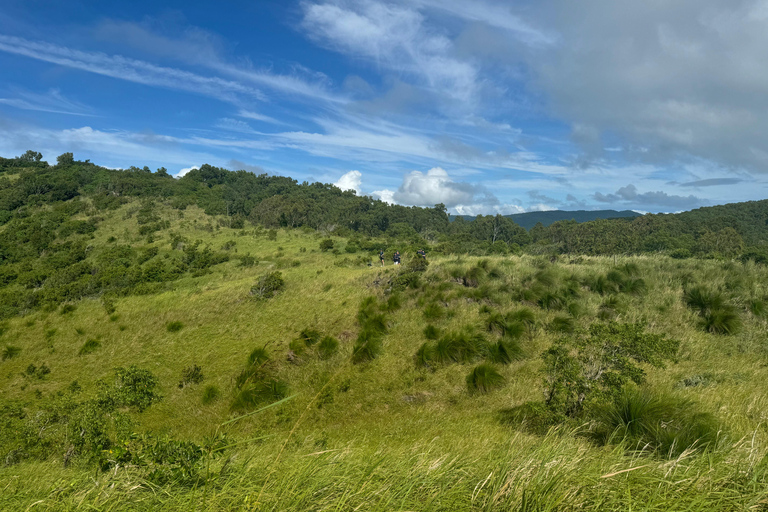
[31, 191]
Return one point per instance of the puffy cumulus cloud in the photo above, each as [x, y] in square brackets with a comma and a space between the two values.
[184, 171]
[629, 195]
[674, 80]
[350, 181]
[435, 187]
[386, 195]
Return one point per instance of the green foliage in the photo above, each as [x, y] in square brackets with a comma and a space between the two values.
[268, 286]
[596, 365]
[504, 352]
[89, 347]
[326, 245]
[131, 387]
[368, 345]
[310, 336]
[484, 378]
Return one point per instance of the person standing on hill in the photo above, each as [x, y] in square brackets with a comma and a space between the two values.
[381, 257]
[396, 258]
[422, 253]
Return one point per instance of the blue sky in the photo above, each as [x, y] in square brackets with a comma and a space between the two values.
[485, 106]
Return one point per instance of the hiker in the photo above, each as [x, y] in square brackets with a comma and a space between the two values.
[381, 257]
[396, 258]
[422, 253]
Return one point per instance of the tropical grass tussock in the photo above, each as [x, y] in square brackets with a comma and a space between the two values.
[510, 382]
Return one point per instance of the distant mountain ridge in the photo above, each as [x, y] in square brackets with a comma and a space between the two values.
[530, 219]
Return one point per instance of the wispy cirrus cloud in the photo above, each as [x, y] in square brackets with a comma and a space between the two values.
[52, 101]
[202, 48]
[132, 70]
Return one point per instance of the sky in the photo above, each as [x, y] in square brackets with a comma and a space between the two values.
[485, 106]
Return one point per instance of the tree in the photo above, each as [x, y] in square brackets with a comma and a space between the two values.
[31, 156]
[65, 159]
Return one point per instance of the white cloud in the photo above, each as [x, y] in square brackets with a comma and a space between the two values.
[200, 47]
[394, 37]
[184, 171]
[124, 68]
[234, 125]
[386, 195]
[248, 114]
[52, 101]
[350, 181]
[435, 187]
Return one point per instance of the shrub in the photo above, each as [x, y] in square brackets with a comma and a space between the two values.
[132, 387]
[175, 326]
[483, 379]
[268, 285]
[327, 347]
[597, 364]
[525, 316]
[10, 351]
[326, 245]
[89, 347]
[211, 393]
[191, 375]
[68, 308]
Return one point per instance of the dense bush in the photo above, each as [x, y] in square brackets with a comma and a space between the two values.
[268, 286]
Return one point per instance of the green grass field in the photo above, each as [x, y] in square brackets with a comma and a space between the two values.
[384, 434]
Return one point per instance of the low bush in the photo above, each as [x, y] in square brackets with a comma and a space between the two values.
[268, 286]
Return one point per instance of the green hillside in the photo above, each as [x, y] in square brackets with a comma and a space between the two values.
[155, 356]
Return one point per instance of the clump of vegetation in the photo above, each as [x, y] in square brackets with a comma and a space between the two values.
[596, 365]
[174, 326]
[484, 378]
[191, 375]
[327, 347]
[718, 317]
[268, 286]
[649, 421]
[89, 347]
[211, 393]
[38, 372]
[10, 351]
[131, 387]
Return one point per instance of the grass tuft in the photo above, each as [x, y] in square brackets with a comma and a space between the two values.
[484, 378]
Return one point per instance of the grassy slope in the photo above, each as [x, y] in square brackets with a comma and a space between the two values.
[399, 437]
